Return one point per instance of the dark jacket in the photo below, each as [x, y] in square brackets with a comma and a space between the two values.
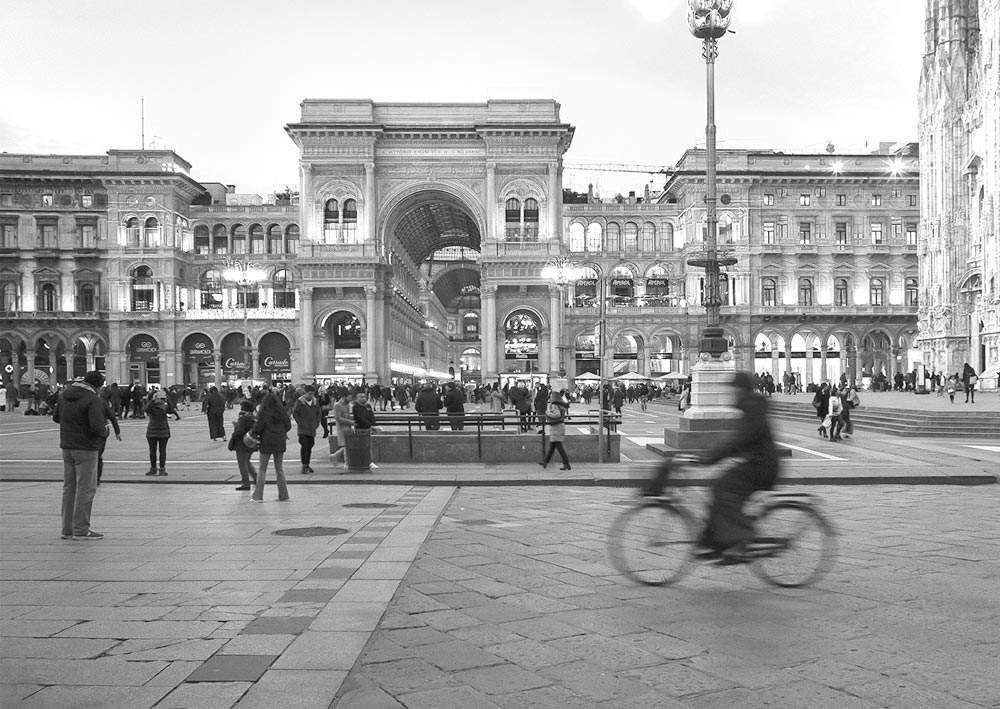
[307, 416]
[80, 415]
[158, 411]
[245, 422]
[454, 401]
[364, 417]
[428, 402]
[519, 399]
[751, 441]
[214, 403]
[272, 429]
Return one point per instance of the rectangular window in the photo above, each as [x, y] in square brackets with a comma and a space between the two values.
[88, 236]
[805, 233]
[767, 234]
[804, 200]
[911, 233]
[840, 230]
[911, 200]
[876, 200]
[46, 200]
[6, 199]
[840, 293]
[895, 193]
[769, 200]
[877, 236]
[821, 192]
[782, 229]
[87, 201]
[46, 235]
[841, 200]
[782, 191]
[897, 229]
[8, 235]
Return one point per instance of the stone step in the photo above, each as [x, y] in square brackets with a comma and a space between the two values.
[904, 422]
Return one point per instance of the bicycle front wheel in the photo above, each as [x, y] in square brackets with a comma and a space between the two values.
[794, 545]
[651, 543]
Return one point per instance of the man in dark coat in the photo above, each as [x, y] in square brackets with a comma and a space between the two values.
[214, 406]
[454, 404]
[306, 412]
[728, 528]
[82, 426]
[428, 404]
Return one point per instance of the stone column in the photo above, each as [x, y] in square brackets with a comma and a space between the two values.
[775, 364]
[491, 200]
[67, 294]
[489, 332]
[28, 266]
[306, 333]
[307, 202]
[807, 375]
[554, 201]
[555, 328]
[788, 360]
[371, 335]
[217, 358]
[822, 362]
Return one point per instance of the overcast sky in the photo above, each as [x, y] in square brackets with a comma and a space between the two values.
[221, 79]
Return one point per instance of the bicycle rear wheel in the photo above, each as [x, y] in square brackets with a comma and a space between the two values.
[651, 543]
[794, 545]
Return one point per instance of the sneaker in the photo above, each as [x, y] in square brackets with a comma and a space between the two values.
[282, 499]
[88, 537]
[152, 471]
[243, 487]
[372, 466]
[254, 499]
[64, 535]
[163, 472]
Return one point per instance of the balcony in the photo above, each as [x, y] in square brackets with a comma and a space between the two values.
[521, 249]
[237, 314]
[53, 315]
[338, 252]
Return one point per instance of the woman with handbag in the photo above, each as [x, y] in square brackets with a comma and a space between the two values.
[555, 418]
[244, 424]
[271, 429]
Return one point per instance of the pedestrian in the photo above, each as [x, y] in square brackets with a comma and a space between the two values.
[214, 406]
[82, 424]
[271, 429]
[684, 402]
[951, 386]
[159, 410]
[834, 408]
[342, 424]
[307, 414]
[521, 402]
[969, 381]
[428, 404]
[454, 405]
[851, 401]
[821, 402]
[555, 417]
[244, 423]
[364, 417]
[10, 391]
[112, 421]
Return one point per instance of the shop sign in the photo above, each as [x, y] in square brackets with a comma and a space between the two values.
[144, 349]
[199, 352]
[586, 283]
[233, 365]
[621, 282]
[274, 356]
[657, 282]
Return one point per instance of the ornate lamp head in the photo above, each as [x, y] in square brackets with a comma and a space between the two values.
[709, 18]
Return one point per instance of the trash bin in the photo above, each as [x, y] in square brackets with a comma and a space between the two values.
[358, 451]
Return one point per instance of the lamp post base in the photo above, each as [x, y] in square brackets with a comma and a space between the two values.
[711, 388]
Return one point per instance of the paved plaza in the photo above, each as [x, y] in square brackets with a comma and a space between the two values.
[485, 586]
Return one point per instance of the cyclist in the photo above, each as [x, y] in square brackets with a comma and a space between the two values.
[728, 528]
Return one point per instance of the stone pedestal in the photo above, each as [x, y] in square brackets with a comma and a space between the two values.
[711, 414]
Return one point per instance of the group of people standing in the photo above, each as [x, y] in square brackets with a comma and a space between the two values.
[833, 406]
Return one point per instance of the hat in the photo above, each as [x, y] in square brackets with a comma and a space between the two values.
[94, 378]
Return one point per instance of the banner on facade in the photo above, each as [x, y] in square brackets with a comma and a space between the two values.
[144, 349]
[275, 356]
[199, 351]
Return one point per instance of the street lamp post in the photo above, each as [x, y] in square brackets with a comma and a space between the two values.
[245, 274]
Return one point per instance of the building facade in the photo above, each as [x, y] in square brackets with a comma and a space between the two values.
[416, 248]
[959, 101]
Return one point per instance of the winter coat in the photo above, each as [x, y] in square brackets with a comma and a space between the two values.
[454, 401]
[364, 417]
[158, 411]
[80, 415]
[214, 403]
[307, 416]
[272, 429]
[244, 423]
[555, 419]
[427, 402]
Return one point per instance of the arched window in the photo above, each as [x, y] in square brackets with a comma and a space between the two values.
[331, 222]
[521, 335]
[576, 242]
[257, 245]
[613, 241]
[87, 298]
[292, 238]
[512, 220]
[725, 230]
[202, 240]
[220, 240]
[877, 291]
[805, 292]
[594, 237]
[284, 289]
[631, 238]
[47, 298]
[133, 233]
[530, 219]
[840, 292]
[11, 302]
[239, 234]
[912, 292]
[349, 225]
[142, 288]
[769, 293]
[667, 238]
[151, 233]
[470, 324]
[275, 243]
[211, 290]
[648, 242]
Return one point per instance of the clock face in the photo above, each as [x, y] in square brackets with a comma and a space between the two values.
[726, 199]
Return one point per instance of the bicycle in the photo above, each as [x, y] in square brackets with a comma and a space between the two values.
[793, 545]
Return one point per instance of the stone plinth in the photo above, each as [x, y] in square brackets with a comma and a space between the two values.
[491, 447]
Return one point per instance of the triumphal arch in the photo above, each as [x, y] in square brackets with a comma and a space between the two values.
[425, 229]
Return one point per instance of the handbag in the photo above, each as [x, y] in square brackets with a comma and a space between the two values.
[251, 441]
[973, 379]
